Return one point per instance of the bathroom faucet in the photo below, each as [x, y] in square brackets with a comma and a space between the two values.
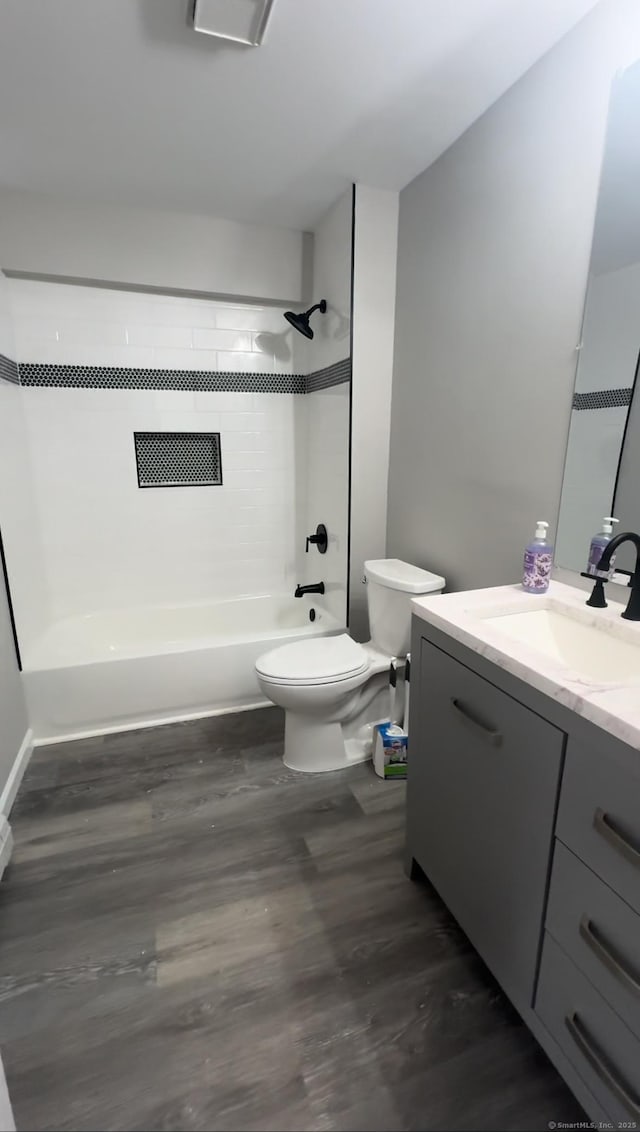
[632, 612]
[316, 588]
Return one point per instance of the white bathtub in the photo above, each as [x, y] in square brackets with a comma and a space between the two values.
[132, 668]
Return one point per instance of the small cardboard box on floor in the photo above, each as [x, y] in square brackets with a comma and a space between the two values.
[390, 751]
[391, 741]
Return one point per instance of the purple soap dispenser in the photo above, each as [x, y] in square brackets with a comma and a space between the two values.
[538, 560]
[598, 545]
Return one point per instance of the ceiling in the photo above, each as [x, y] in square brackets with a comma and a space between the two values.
[120, 101]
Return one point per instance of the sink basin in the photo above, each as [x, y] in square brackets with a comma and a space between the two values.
[600, 655]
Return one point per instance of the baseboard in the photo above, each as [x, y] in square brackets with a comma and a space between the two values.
[139, 725]
[20, 764]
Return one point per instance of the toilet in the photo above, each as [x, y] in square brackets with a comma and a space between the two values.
[334, 690]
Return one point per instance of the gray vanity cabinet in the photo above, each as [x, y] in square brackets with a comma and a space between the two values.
[481, 805]
[526, 819]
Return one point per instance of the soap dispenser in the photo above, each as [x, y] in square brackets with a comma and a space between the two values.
[598, 544]
[538, 560]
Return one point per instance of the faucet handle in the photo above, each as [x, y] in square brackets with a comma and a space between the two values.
[319, 539]
[597, 599]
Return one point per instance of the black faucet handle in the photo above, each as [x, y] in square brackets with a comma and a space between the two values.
[597, 599]
[319, 539]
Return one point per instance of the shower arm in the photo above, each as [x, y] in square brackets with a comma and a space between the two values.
[321, 306]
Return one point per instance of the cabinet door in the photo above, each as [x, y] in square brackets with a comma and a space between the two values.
[482, 788]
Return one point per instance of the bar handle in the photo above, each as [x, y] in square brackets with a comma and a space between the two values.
[490, 734]
[602, 1066]
[608, 829]
[608, 956]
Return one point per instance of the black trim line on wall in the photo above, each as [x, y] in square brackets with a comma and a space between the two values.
[14, 630]
[349, 477]
[632, 392]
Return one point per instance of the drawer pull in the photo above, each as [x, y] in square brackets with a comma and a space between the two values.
[490, 734]
[607, 829]
[602, 1066]
[608, 956]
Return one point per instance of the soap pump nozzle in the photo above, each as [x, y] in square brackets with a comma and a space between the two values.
[541, 530]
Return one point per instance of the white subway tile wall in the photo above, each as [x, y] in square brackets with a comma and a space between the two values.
[61, 324]
[7, 340]
[327, 471]
[105, 543]
[108, 545]
[18, 511]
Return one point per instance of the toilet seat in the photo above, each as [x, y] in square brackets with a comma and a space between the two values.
[318, 660]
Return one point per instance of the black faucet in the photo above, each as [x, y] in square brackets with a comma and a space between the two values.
[632, 612]
[316, 588]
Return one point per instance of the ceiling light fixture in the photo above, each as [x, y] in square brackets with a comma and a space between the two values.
[241, 21]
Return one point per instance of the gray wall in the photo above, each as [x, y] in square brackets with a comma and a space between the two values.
[494, 244]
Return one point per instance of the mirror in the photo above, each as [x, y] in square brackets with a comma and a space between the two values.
[602, 470]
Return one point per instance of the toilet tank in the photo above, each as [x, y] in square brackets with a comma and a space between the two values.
[391, 584]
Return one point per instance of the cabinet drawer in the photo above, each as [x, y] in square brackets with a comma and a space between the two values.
[481, 798]
[599, 931]
[604, 1052]
[599, 817]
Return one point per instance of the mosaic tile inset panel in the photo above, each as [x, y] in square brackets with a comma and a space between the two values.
[178, 459]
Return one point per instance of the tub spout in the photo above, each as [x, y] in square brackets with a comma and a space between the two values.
[316, 588]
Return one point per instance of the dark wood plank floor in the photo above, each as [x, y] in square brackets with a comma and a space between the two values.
[194, 937]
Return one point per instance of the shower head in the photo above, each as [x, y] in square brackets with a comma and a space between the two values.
[300, 322]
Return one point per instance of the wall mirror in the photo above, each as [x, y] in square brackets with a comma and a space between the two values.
[602, 470]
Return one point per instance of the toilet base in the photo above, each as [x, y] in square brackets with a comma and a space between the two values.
[313, 747]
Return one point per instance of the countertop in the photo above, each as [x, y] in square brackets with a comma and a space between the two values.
[613, 706]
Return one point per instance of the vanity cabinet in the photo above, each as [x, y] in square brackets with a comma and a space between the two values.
[481, 809]
[526, 819]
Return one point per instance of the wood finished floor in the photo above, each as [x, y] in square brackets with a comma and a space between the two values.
[194, 937]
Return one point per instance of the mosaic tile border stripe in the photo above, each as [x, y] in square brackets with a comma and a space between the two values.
[336, 374]
[8, 370]
[218, 381]
[602, 399]
[122, 377]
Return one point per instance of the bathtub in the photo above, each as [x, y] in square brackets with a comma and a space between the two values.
[124, 668]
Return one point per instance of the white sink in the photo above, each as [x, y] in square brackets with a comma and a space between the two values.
[604, 655]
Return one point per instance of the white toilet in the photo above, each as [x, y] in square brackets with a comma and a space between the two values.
[334, 690]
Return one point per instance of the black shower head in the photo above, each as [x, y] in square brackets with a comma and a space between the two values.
[300, 321]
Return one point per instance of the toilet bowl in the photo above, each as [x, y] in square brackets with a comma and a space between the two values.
[334, 690]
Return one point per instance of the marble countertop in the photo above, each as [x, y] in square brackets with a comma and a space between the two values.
[615, 706]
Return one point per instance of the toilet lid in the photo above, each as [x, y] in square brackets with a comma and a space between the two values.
[319, 660]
